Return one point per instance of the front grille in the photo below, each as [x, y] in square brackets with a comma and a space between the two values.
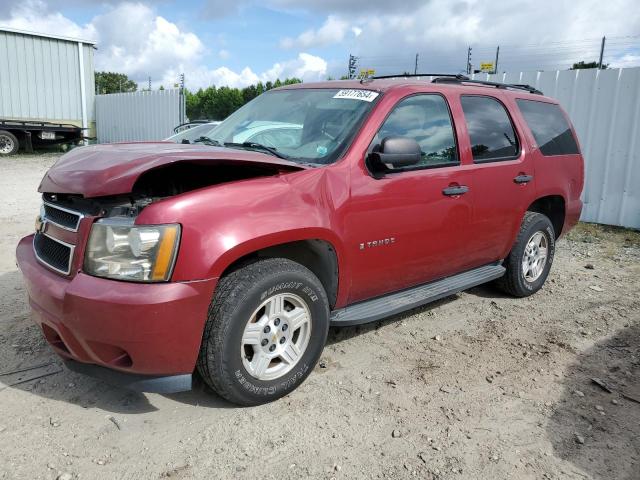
[67, 219]
[53, 253]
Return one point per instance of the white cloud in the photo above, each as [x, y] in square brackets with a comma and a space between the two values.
[547, 34]
[33, 16]
[202, 77]
[626, 60]
[354, 7]
[133, 39]
[306, 67]
[332, 31]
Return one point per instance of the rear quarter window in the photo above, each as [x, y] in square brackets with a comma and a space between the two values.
[549, 127]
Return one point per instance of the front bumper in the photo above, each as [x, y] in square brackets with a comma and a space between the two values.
[133, 381]
[143, 329]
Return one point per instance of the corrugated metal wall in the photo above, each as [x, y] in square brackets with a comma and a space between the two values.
[604, 106]
[40, 78]
[138, 116]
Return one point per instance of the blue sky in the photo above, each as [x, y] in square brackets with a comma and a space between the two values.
[239, 42]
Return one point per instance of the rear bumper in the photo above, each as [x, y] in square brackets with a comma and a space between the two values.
[572, 215]
[134, 328]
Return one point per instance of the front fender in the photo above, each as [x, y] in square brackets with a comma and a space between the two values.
[227, 257]
[223, 223]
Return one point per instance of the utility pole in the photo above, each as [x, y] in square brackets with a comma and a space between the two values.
[351, 71]
[601, 53]
[149, 83]
[469, 61]
[495, 66]
[182, 112]
[415, 70]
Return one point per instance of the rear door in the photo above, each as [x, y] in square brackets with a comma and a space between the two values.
[503, 175]
[403, 227]
[559, 165]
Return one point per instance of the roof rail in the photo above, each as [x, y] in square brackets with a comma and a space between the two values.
[516, 86]
[409, 75]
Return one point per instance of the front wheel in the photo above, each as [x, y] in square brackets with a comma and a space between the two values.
[530, 259]
[266, 330]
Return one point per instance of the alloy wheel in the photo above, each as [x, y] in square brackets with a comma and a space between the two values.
[276, 336]
[535, 256]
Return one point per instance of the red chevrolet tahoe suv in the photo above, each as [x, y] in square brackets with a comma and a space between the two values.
[332, 203]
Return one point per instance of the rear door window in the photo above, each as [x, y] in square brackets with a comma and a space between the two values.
[549, 127]
[491, 132]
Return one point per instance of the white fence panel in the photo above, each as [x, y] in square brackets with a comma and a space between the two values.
[604, 106]
[138, 116]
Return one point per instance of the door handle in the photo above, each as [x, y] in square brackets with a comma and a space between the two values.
[523, 178]
[455, 190]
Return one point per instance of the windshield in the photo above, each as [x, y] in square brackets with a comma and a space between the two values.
[192, 133]
[303, 125]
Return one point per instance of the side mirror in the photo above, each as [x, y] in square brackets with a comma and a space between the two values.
[394, 152]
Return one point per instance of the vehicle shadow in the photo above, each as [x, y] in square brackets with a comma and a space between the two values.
[597, 430]
[488, 290]
[22, 346]
[339, 334]
[16, 328]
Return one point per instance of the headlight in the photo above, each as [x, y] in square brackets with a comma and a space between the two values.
[138, 253]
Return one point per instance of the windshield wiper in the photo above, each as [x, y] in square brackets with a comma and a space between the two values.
[207, 141]
[247, 145]
[259, 147]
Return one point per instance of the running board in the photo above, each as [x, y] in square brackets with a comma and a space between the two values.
[393, 303]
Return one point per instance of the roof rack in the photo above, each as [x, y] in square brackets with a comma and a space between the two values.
[456, 79]
[409, 75]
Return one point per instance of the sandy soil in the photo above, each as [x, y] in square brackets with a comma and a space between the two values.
[477, 386]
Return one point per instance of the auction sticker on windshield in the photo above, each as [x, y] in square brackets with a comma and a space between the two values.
[353, 94]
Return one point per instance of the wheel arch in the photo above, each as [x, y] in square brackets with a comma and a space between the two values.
[554, 208]
[317, 252]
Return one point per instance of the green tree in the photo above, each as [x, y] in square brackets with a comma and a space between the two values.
[249, 93]
[111, 82]
[582, 65]
[227, 101]
[214, 103]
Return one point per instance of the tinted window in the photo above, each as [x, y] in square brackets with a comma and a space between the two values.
[549, 127]
[426, 119]
[490, 129]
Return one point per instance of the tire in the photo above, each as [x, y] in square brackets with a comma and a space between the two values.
[242, 301]
[8, 143]
[516, 281]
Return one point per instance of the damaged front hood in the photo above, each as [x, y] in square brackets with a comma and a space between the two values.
[113, 169]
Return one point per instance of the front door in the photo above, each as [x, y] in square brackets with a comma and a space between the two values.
[411, 225]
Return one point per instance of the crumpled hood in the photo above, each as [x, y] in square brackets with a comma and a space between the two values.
[112, 169]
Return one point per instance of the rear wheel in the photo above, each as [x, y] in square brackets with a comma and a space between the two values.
[530, 259]
[8, 143]
[266, 330]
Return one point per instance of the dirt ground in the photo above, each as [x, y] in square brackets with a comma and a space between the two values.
[477, 386]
